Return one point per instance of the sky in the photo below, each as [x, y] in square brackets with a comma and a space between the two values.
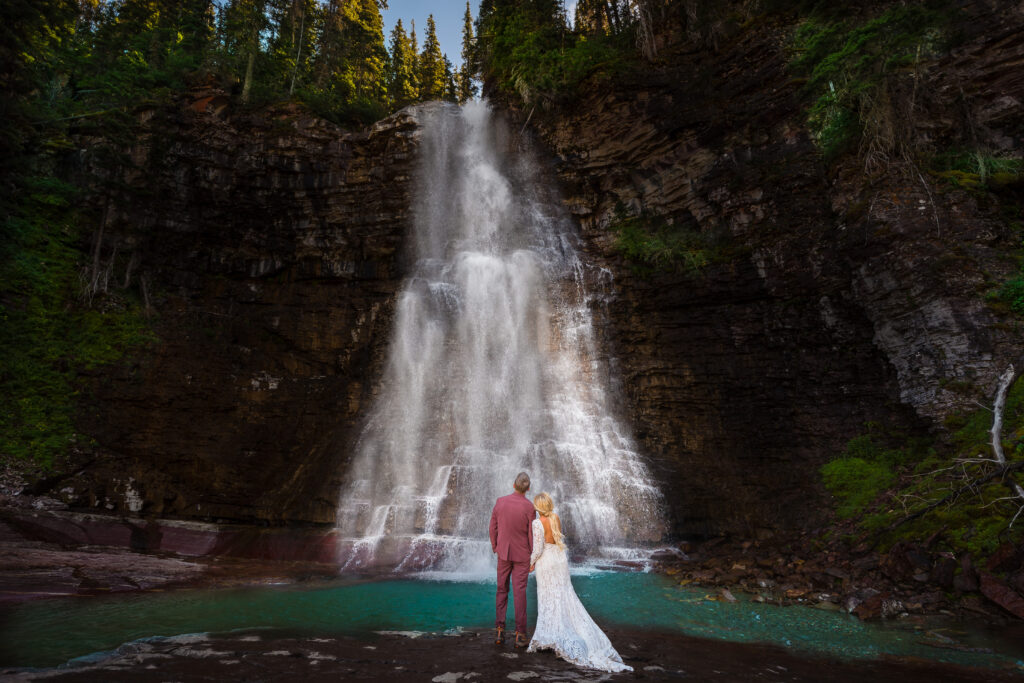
[447, 15]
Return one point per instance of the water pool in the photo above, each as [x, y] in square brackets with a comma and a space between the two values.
[51, 632]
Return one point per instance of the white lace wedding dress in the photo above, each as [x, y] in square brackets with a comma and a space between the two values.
[563, 624]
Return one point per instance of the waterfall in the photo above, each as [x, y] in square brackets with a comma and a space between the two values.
[492, 369]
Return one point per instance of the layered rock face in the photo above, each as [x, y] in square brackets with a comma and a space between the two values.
[268, 247]
[837, 299]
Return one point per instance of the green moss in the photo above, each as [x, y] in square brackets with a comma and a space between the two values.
[869, 465]
[968, 181]
[855, 482]
[976, 521]
[652, 245]
[47, 336]
[977, 169]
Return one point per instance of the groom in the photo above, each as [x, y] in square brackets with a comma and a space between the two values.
[512, 540]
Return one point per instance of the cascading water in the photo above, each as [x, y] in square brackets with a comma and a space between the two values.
[492, 369]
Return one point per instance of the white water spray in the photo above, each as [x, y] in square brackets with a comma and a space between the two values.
[492, 369]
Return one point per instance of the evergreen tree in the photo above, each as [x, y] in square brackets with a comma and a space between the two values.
[244, 23]
[328, 45]
[432, 83]
[292, 47]
[32, 30]
[467, 89]
[414, 58]
[188, 27]
[365, 55]
[451, 83]
[401, 77]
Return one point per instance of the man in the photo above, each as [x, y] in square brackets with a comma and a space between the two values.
[512, 541]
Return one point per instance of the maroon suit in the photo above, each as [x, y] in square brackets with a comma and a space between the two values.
[512, 540]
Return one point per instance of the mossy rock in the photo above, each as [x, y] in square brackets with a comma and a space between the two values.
[1006, 180]
[968, 181]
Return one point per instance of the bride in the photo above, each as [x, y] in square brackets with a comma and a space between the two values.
[563, 624]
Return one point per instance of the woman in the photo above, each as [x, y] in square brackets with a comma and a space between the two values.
[563, 624]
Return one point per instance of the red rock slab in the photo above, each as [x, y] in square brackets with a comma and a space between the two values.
[1001, 594]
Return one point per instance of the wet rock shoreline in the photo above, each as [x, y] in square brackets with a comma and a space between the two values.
[55, 553]
[472, 656]
[905, 579]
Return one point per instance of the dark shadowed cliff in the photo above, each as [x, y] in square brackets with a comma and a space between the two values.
[835, 295]
[270, 246]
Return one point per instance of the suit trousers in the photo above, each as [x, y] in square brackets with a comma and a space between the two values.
[518, 572]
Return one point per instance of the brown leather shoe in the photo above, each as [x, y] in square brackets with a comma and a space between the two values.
[521, 641]
[499, 639]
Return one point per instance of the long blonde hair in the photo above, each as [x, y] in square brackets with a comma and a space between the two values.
[546, 507]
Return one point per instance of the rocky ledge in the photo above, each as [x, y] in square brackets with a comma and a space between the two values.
[49, 551]
[908, 579]
[472, 657]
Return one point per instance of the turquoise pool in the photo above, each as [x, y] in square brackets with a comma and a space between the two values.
[50, 632]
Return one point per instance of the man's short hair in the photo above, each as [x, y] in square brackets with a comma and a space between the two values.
[522, 482]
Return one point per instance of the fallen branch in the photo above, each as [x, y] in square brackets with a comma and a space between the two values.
[1006, 469]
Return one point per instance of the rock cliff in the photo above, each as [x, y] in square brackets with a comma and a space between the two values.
[269, 250]
[838, 299]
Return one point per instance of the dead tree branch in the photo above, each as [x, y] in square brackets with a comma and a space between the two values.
[1004, 469]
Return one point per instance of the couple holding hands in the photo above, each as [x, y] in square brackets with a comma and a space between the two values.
[526, 543]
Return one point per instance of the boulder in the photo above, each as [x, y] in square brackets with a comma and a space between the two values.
[967, 580]
[998, 592]
[904, 561]
[865, 564]
[871, 607]
[943, 572]
[1016, 581]
[1007, 557]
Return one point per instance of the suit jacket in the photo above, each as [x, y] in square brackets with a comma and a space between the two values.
[512, 528]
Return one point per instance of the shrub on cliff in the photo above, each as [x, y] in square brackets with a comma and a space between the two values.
[653, 245]
[47, 335]
[856, 67]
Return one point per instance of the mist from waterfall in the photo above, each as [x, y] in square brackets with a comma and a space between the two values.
[492, 369]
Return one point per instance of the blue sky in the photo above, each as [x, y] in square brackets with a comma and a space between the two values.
[447, 16]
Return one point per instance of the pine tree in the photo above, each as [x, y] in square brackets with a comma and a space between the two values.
[32, 32]
[365, 54]
[401, 79]
[431, 65]
[414, 58]
[451, 83]
[467, 89]
[190, 25]
[597, 17]
[328, 62]
[244, 22]
[292, 47]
